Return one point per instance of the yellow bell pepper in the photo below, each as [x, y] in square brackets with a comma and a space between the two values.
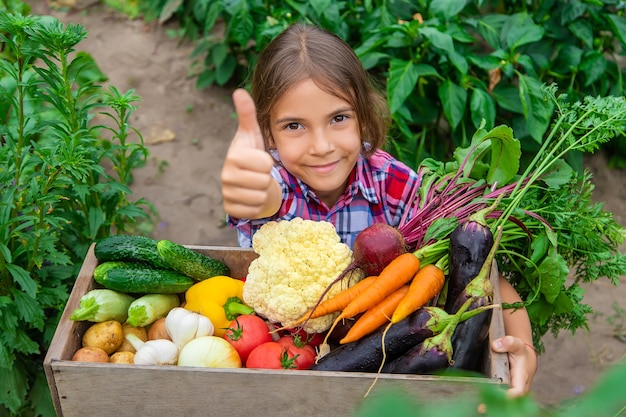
[218, 298]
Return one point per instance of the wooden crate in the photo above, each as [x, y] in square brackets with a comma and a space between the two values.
[100, 389]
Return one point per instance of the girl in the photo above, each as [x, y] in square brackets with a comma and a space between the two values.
[309, 145]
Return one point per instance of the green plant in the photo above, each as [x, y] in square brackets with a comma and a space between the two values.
[446, 64]
[63, 184]
[618, 321]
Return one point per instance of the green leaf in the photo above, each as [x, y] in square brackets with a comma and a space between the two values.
[583, 30]
[440, 229]
[560, 175]
[218, 54]
[446, 9]
[568, 59]
[505, 155]
[372, 59]
[96, 220]
[490, 27]
[539, 245]
[23, 278]
[572, 11]
[508, 98]
[520, 30]
[453, 100]
[618, 24]
[438, 39]
[553, 271]
[226, 70]
[594, 66]
[205, 79]
[241, 27]
[6, 253]
[504, 151]
[211, 16]
[459, 61]
[537, 111]
[320, 6]
[563, 304]
[168, 10]
[402, 80]
[426, 70]
[482, 107]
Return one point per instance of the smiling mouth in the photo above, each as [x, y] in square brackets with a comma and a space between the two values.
[323, 168]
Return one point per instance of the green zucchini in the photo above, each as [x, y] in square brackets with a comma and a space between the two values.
[134, 277]
[148, 308]
[128, 248]
[189, 262]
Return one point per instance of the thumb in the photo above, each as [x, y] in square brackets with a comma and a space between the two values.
[508, 344]
[249, 132]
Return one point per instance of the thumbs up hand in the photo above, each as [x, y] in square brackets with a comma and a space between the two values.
[248, 189]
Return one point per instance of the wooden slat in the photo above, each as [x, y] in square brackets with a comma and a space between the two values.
[101, 390]
[498, 362]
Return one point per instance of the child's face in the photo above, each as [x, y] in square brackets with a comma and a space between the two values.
[317, 137]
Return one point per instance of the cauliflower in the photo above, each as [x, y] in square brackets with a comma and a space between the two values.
[297, 260]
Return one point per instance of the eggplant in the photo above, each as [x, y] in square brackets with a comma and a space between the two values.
[366, 354]
[468, 340]
[470, 243]
[436, 352]
[432, 354]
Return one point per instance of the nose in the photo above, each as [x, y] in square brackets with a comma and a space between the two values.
[322, 142]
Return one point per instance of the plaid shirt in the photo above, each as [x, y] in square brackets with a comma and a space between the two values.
[377, 192]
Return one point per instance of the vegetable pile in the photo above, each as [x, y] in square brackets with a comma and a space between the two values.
[164, 304]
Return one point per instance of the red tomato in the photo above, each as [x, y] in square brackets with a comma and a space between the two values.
[303, 352]
[271, 355]
[314, 339]
[247, 332]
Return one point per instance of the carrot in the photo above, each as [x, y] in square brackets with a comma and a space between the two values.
[375, 317]
[337, 302]
[397, 273]
[426, 284]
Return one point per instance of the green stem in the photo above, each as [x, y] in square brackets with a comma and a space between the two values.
[234, 307]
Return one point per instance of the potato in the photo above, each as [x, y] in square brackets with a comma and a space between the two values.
[106, 335]
[123, 357]
[157, 330]
[140, 332]
[90, 354]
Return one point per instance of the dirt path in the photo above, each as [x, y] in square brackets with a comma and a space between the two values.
[188, 132]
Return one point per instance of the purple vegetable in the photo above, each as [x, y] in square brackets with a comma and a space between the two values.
[366, 354]
[470, 244]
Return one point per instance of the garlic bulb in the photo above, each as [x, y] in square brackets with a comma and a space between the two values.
[153, 352]
[184, 325]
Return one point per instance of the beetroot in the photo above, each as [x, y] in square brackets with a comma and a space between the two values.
[376, 246]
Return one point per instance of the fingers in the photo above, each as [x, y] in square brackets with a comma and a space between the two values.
[521, 363]
[248, 133]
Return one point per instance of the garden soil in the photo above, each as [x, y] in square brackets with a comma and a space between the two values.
[188, 132]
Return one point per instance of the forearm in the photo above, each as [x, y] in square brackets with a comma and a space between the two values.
[516, 321]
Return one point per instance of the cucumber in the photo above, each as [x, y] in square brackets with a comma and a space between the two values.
[134, 277]
[128, 248]
[189, 262]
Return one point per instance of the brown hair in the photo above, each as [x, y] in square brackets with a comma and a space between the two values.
[303, 52]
